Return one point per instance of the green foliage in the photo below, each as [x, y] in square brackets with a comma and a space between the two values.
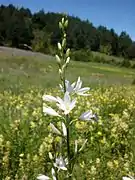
[126, 63]
[25, 140]
[81, 55]
[20, 26]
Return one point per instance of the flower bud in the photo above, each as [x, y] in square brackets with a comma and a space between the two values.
[50, 156]
[68, 52]
[66, 24]
[64, 42]
[58, 59]
[63, 67]
[68, 60]
[76, 146]
[60, 25]
[62, 20]
[60, 72]
[59, 46]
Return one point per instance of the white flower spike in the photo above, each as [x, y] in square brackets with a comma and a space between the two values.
[87, 116]
[43, 177]
[50, 111]
[66, 105]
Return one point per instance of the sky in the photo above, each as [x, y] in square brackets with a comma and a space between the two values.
[116, 14]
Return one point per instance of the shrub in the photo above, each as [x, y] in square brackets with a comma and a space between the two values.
[81, 55]
[125, 63]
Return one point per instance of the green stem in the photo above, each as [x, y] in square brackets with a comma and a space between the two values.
[68, 137]
[68, 149]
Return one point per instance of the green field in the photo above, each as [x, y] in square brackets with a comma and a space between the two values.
[24, 72]
[25, 137]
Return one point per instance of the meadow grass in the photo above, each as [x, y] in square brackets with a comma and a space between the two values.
[24, 139]
[24, 72]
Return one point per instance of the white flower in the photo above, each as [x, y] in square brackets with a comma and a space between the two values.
[50, 111]
[66, 104]
[43, 177]
[75, 87]
[60, 164]
[64, 129]
[87, 116]
[54, 129]
[128, 178]
[79, 90]
[69, 87]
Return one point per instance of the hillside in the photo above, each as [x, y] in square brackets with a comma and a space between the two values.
[41, 33]
[24, 69]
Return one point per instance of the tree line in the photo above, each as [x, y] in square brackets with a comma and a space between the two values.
[19, 27]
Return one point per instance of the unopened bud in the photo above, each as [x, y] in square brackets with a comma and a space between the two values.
[68, 52]
[64, 42]
[50, 156]
[65, 35]
[63, 67]
[76, 146]
[58, 59]
[66, 24]
[68, 60]
[59, 46]
[60, 25]
[62, 20]
[60, 71]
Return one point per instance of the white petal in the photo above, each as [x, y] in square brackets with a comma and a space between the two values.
[82, 94]
[53, 174]
[76, 146]
[73, 84]
[55, 130]
[72, 105]
[63, 168]
[87, 116]
[50, 111]
[49, 98]
[64, 129]
[83, 90]
[61, 104]
[43, 177]
[68, 86]
[127, 178]
[78, 84]
[67, 98]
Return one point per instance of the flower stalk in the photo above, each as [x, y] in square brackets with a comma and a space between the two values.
[65, 106]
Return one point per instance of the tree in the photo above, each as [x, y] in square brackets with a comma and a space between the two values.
[131, 51]
[124, 43]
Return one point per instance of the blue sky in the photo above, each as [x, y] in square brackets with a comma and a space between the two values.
[117, 14]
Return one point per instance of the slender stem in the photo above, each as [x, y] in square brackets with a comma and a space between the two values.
[68, 148]
[68, 137]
